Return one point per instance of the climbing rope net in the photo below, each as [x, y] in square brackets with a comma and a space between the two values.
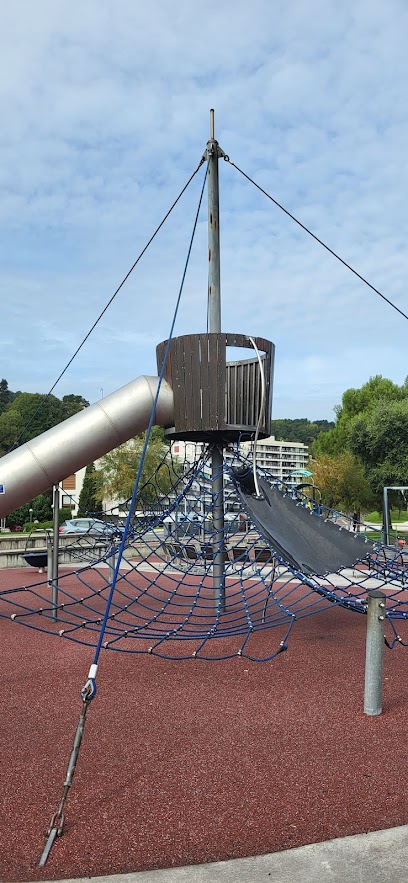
[152, 586]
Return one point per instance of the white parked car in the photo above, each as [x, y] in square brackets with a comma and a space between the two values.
[91, 526]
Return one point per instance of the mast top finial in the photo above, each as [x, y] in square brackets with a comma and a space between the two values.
[212, 124]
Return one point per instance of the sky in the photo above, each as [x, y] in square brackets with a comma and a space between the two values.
[105, 116]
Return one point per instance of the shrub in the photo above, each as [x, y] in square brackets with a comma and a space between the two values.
[29, 526]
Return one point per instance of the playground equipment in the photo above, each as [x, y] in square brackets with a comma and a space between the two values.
[313, 546]
[47, 459]
[207, 594]
[386, 510]
[35, 557]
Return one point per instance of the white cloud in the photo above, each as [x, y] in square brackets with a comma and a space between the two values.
[104, 109]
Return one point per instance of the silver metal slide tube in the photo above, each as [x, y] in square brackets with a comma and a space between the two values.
[45, 460]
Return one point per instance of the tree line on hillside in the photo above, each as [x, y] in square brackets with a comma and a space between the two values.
[300, 429]
[24, 415]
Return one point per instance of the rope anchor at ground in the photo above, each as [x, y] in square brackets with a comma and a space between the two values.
[56, 826]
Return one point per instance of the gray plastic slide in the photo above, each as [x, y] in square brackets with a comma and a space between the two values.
[49, 458]
[307, 541]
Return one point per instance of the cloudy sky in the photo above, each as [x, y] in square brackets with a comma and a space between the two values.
[105, 115]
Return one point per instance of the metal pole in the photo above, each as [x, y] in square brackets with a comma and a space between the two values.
[214, 273]
[112, 566]
[55, 549]
[49, 558]
[386, 519]
[214, 327]
[217, 475]
[374, 653]
[386, 512]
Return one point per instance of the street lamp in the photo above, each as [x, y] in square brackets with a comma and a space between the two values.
[31, 515]
[308, 484]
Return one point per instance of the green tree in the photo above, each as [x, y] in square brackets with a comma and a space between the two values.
[28, 416]
[41, 511]
[64, 514]
[379, 437]
[342, 482]
[332, 442]
[377, 389]
[118, 469]
[72, 404]
[90, 500]
[4, 395]
[42, 507]
[356, 402]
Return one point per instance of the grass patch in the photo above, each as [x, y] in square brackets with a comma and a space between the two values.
[396, 515]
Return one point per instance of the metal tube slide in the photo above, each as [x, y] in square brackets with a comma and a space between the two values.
[45, 460]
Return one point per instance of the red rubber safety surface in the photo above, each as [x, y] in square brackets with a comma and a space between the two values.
[189, 762]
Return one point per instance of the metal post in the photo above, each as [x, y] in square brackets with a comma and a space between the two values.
[49, 558]
[217, 475]
[214, 327]
[112, 566]
[374, 653]
[386, 512]
[386, 519]
[214, 272]
[55, 550]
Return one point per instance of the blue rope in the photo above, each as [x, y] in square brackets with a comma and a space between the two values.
[172, 613]
[89, 688]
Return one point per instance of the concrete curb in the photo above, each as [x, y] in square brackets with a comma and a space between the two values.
[376, 857]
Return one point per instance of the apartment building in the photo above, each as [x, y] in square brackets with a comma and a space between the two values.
[280, 458]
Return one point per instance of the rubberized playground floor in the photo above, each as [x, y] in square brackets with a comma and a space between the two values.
[191, 762]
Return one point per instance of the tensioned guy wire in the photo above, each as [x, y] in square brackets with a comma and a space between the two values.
[92, 674]
[275, 202]
[320, 241]
[110, 301]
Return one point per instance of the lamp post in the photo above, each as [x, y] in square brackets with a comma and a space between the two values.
[31, 515]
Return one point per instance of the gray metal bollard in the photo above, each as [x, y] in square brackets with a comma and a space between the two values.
[374, 653]
[55, 551]
[52, 580]
[49, 560]
[111, 561]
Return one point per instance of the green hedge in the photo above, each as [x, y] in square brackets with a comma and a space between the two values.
[29, 526]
